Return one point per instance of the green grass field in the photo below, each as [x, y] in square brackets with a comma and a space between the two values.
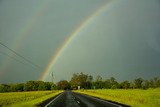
[132, 97]
[25, 99]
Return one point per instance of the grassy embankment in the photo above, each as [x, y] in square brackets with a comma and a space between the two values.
[132, 97]
[25, 99]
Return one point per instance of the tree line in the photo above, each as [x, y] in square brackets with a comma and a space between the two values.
[28, 86]
[83, 81]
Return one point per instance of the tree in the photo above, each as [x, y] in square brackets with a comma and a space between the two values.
[53, 86]
[156, 82]
[145, 84]
[98, 78]
[31, 86]
[4, 88]
[114, 83]
[63, 85]
[78, 80]
[19, 87]
[41, 85]
[113, 80]
[107, 84]
[151, 84]
[125, 85]
[138, 82]
[16, 87]
[48, 85]
[90, 78]
[98, 84]
[88, 83]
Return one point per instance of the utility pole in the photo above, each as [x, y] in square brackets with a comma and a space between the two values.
[52, 77]
[52, 86]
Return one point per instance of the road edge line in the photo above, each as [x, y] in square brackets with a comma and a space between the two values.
[53, 100]
[103, 100]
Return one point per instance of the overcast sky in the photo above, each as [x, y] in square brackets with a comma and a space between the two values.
[121, 38]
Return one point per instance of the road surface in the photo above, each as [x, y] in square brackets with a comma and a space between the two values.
[72, 99]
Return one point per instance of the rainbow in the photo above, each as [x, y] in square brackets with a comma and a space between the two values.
[68, 40]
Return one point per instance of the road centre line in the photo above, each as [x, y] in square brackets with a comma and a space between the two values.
[78, 102]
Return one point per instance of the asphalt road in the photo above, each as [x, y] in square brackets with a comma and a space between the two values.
[72, 99]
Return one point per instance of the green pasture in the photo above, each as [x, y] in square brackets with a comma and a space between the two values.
[132, 97]
[25, 99]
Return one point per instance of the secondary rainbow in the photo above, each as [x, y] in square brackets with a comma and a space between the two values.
[67, 41]
[24, 33]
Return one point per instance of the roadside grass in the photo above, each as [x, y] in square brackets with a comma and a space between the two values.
[131, 97]
[25, 99]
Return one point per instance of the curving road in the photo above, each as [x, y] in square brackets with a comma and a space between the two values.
[72, 99]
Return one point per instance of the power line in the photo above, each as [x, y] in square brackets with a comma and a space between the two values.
[3, 53]
[12, 57]
[20, 56]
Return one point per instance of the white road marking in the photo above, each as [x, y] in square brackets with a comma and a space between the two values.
[102, 100]
[78, 102]
[53, 100]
